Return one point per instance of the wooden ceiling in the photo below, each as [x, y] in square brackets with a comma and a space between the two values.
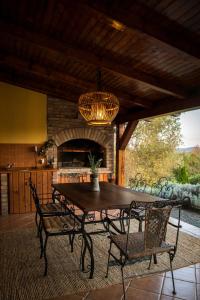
[148, 51]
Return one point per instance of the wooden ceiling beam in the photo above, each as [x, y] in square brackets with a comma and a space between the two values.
[8, 30]
[170, 105]
[66, 79]
[145, 19]
[33, 85]
[123, 142]
[35, 82]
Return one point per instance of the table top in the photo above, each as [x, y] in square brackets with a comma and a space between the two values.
[110, 196]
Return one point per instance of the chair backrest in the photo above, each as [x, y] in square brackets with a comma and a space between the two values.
[156, 221]
[34, 194]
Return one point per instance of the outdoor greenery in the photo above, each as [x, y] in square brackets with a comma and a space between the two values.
[152, 149]
[181, 174]
[189, 169]
[152, 152]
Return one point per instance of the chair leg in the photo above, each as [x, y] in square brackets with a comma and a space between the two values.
[38, 227]
[36, 221]
[83, 252]
[124, 291]
[155, 259]
[149, 267]
[108, 259]
[45, 256]
[41, 241]
[72, 242]
[140, 226]
[171, 257]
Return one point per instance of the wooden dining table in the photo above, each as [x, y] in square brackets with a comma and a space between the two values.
[110, 197]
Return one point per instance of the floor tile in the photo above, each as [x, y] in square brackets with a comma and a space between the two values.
[184, 289]
[187, 274]
[198, 291]
[79, 296]
[197, 266]
[150, 283]
[198, 275]
[165, 297]
[114, 293]
[191, 266]
[135, 294]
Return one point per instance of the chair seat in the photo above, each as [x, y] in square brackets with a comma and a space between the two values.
[136, 245]
[51, 208]
[59, 224]
[138, 213]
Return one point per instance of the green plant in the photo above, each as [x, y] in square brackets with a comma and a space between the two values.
[48, 144]
[195, 179]
[181, 174]
[94, 164]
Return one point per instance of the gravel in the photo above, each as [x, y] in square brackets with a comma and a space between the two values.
[189, 216]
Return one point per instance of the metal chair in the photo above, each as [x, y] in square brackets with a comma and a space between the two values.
[139, 246]
[57, 226]
[54, 223]
[55, 207]
[164, 190]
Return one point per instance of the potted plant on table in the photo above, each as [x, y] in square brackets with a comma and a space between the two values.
[94, 165]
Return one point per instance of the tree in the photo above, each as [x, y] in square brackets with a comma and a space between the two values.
[192, 161]
[152, 148]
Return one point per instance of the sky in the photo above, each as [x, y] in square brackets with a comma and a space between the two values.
[190, 128]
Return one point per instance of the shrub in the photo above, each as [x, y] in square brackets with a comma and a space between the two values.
[181, 174]
[195, 179]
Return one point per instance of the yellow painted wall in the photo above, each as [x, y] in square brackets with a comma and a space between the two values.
[23, 115]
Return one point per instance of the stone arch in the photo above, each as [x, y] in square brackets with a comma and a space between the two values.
[98, 135]
[93, 134]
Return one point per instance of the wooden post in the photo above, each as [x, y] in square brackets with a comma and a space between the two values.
[120, 157]
[124, 134]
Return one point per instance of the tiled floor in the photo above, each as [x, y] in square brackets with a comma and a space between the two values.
[155, 287]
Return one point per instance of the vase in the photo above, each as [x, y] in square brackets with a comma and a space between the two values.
[94, 182]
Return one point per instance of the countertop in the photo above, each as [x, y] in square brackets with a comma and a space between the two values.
[24, 169]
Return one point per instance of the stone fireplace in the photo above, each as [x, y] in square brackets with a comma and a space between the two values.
[74, 153]
[74, 139]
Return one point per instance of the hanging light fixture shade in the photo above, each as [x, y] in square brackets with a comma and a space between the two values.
[98, 108]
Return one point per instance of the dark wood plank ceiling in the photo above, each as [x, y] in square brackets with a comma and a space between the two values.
[150, 59]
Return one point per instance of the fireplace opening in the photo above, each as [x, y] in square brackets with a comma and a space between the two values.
[74, 153]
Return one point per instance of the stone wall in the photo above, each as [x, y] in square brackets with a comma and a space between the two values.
[65, 123]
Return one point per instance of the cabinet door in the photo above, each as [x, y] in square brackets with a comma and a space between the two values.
[19, 193]
[20, 199]
[43, 181]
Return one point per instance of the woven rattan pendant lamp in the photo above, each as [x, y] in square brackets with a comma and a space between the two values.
[98, 108]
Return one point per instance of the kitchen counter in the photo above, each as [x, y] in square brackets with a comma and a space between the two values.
[24, 169]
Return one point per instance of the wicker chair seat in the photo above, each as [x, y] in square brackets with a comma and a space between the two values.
[136, 245]
[51, 208]
[137, 212]
[59, 224]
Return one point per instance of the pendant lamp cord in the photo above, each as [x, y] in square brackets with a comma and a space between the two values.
[98, 76]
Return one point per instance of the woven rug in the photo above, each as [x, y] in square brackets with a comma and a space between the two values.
[21, 270]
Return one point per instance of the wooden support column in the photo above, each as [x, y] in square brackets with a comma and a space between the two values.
[123, 136]
[120, 157]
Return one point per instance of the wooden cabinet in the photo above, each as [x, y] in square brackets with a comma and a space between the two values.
[20, 200]
[67, 178]
[19, 197]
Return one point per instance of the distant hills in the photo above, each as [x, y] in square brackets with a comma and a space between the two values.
[185, 149]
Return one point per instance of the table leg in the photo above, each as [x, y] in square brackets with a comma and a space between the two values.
[87, 245]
